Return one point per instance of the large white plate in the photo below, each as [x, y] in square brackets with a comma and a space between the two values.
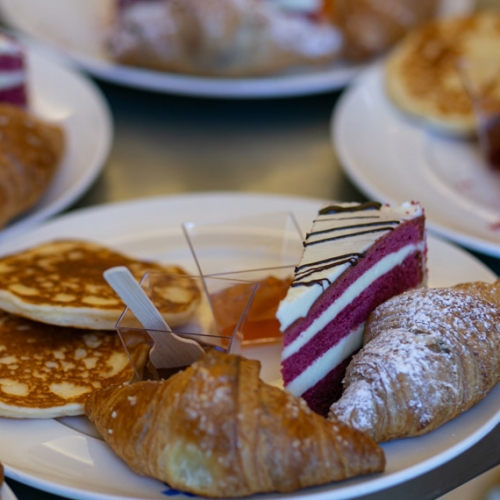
[59, 94]
[75, 28]
[62, 456]
[394, 158]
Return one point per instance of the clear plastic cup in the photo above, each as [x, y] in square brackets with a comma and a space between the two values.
[208, 325]
[263, 249]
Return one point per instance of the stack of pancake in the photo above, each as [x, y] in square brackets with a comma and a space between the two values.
[57, 320]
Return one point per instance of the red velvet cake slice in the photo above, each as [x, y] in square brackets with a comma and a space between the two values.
[355, 257]
[12, 72]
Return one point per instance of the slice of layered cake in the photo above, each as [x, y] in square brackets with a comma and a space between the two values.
[355, 257]
[12, 72]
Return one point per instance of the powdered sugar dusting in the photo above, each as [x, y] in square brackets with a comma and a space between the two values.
[429, 355]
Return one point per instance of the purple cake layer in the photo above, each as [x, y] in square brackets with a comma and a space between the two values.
[11, 62]
[403, 277]
[408, 232]
[16, 96]
[12, 72]
[327, 390]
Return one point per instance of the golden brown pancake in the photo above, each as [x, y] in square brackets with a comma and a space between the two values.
[421, 73]
[48, 371]
[61, 283]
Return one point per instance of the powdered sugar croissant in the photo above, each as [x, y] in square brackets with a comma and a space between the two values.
[429, 355]
[218, 37]
[216, 429]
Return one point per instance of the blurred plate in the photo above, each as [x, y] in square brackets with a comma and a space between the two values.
[64, 456]
[393, 158]
[75, 28]
[61, 95]
[7, 493]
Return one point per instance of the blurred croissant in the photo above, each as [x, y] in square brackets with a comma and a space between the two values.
[216, 430]
[428, 355]
[370, 27]
[218, 37]
[30, 152]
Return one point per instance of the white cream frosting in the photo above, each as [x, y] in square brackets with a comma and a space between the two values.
[9, 47]
[382, 267]
[11, 79]
[299, 299]
[321, 366]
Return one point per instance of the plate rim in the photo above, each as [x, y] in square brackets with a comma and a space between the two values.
[353, 170]
[153, 203]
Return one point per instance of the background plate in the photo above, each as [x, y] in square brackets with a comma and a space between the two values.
[62, 457]
[75, 28]
[7, 493]
[59, 94]
[394, 158]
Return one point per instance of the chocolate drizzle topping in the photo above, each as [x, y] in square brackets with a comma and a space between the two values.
[317, 267]
[350, 235]
[343, 228]
[305, 271]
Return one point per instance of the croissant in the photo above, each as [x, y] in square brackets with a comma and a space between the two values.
[218, 37]
[30, 151]
[215, 429]
[428, 355]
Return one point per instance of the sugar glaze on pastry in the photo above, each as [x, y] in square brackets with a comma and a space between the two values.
[429, 355]
[218, 37]
[217, 430]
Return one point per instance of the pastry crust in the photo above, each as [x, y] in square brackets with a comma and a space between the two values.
[429, 355]
[30, 152]
[217, 430]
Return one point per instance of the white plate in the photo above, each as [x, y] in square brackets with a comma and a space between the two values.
[63, 458]
[75, 28]
[61, 95]
[7, 493]
[394, 158]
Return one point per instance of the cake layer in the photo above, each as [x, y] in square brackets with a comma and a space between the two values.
[356, 257]
[390, 252]
[339, 339]
[337, 242]
[12, 72]
[320, 397]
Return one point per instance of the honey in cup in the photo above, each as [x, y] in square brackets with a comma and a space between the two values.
[261, 325]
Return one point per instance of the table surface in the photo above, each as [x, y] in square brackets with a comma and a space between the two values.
[167, 144]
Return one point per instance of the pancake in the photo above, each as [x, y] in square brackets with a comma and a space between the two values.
[48, 371]
[61, 283]
[421, 74]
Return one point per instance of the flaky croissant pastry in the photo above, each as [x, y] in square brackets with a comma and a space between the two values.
[428, 355]
[30, 151]
[217, 430]
[218, 37]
